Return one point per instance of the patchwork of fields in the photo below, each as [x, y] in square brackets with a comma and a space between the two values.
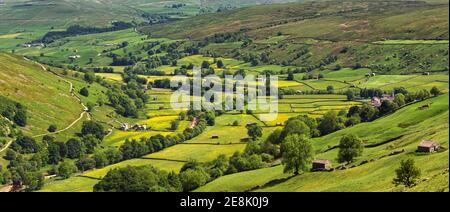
[203, 148]
[374, 170]
[319, 50]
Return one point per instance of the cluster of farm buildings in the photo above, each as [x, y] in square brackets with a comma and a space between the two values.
[136, 127]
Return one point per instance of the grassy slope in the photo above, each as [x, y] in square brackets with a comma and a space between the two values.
[376, 175]
[39, 16]
[324, 29]
[47, 98]
[320, 20]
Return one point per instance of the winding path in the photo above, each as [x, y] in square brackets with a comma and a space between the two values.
[85, 109]
[6, 146]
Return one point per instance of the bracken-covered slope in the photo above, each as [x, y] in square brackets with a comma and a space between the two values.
[18, 15]
[386, 36]
[388, 141]
[331, 20]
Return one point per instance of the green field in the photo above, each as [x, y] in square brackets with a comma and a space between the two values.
[74, 184]
[406, 128]
[46, 97]
[319, 50]
[160, 164]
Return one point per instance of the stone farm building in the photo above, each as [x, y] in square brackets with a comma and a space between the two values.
[376, 101]
[125, 127]
[321, 165]
[428, 146]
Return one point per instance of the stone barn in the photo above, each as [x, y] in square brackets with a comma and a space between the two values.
[428, 146]
[321, 165]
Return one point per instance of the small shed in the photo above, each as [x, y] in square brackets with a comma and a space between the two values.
[321, 165]
[215, 137]
[428, 146]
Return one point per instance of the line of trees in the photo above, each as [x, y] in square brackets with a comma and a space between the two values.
[27, 156]
[13, 111]
[74, 30]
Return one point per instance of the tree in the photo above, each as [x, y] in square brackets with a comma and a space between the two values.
[52, 128]
[193, 178]
[387, 107]
[54, 156]
[89, 77]
[353, 120]
[435, 91]
[205, 65]
[275, 137]
[330, 123]
[136, 179]
[210, 118]
[297, 153]
[85, 163]
[25, 145]
[90, 142]
[20, 118]
[10, 155]
[330, 89]
[399, 99]
[75, 148]
[66, 169]
[174, 124]
[350, 147]
[220, 64]
[408, 174]
[174, 182]
[367, 113]
[101, 159]
[295, 127]
[254, 131]
[84, 92]
[93, 128]
[290, 76]
[33, 181]
[350, 95]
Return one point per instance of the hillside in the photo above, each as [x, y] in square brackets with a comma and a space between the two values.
[46, 97]
[398, 133]
[332, 20]
[19, 15]
[325, 34]
[376, 69]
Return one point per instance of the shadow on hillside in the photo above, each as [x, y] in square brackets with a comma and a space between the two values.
[271, 183]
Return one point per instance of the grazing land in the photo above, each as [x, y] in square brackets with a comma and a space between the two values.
[86, 95]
